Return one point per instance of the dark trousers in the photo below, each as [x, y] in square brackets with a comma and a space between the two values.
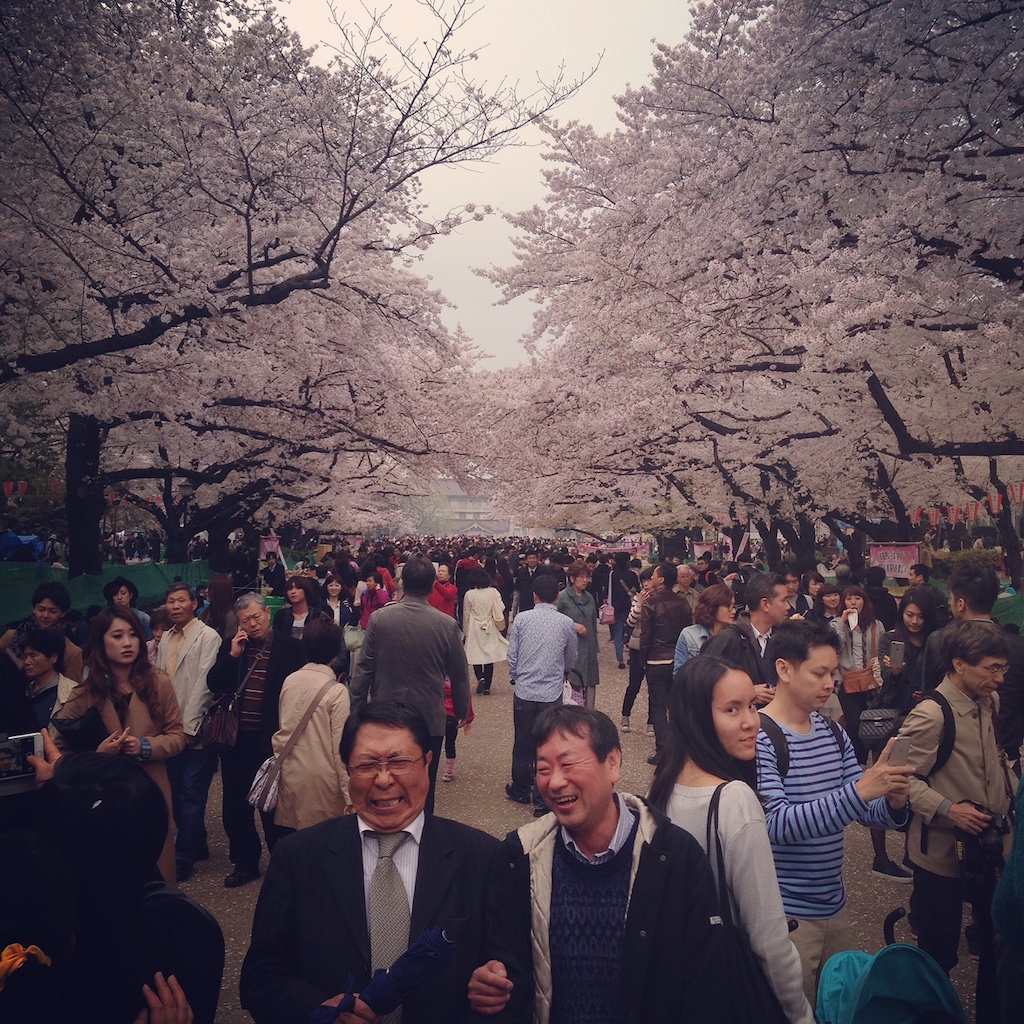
[451, 732]
[190, 774]
[524, 714]
[435, 760]
[659, 685]
[937, 908]
[238, 768]
[484, 676]
[636, 678]
[853, 704]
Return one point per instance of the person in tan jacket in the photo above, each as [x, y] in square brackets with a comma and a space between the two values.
[50, 603]
[136, 704]
[959, 795]
[313, 785]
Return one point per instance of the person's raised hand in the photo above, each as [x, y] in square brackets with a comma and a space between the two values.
[45, 766]
[112, 744]
[883, 779]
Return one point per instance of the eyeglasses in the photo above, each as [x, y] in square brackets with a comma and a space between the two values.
[996, 670]
[392, 765]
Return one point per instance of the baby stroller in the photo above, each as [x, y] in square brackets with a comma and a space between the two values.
[900, 984]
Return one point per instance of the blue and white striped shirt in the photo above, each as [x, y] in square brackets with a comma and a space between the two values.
[807, 813]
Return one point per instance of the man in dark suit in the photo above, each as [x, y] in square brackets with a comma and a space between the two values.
[257, 659]
[408, 650]
[321, 916]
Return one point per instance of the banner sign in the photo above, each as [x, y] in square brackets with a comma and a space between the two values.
[896, 559]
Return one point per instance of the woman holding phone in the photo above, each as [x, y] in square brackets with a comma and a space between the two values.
[901, 653]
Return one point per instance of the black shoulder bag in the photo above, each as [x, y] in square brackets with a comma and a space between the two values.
[753, 997]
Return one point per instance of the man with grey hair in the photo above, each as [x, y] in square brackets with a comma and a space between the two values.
[253, 663]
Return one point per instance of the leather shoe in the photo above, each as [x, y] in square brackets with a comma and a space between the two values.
[511, 794]
[653, 759]
[240, 877]
[203, 854]
[183, 871]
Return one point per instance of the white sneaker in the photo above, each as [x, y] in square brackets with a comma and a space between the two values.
[624, 725]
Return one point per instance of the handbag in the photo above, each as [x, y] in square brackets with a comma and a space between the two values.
[877, 725]
[353, 637]
[267, 780]
[754, 998]
[218, 728]
[606, 616]
[863, 680]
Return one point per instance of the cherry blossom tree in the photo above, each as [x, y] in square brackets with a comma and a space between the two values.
[177, 174]
[802, 241]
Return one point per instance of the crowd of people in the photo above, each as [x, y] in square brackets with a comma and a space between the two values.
[782, 707]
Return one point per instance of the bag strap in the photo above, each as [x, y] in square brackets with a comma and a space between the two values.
[712, 828]
[304, 721]
[948, 738]
[252, 668]
[774, 732]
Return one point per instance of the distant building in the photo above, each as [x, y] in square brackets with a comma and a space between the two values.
[455, 512]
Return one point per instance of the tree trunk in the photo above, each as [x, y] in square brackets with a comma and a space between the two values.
[84, 497]
[770, 540]
[218, 549]
[735, 532]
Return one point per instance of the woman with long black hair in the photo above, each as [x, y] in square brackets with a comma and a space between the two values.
[713, 726]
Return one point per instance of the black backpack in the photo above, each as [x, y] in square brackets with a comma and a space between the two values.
[774, 732]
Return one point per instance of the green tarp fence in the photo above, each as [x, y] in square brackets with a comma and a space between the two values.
[18, 580]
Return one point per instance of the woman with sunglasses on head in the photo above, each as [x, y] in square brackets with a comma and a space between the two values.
[715, 609]
[713, 726]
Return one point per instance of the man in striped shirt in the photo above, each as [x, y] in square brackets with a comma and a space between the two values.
[812, 788]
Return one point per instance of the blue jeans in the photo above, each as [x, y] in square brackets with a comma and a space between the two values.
[190, 774]
[524, 714]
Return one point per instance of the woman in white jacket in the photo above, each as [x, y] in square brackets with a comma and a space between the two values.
[713, 726]
[483, 619]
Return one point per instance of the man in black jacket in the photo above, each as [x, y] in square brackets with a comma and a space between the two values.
[603, 905]
[744, 642]
[255, 661]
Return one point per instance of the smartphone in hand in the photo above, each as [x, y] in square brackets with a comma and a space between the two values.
[900, 751]
[896, 654]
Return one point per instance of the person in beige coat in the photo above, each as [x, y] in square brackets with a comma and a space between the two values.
[951, 795]
[313, 784]
[483, 619]
[136, 704]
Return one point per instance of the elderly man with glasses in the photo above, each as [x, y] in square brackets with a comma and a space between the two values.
[346, 897]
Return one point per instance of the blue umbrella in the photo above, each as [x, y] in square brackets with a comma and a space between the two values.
[387, 989]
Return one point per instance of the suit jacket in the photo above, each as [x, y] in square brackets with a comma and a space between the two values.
[407, 651]
[198, 653]
[310, 933]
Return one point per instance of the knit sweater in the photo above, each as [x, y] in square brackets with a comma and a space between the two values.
[588, 914]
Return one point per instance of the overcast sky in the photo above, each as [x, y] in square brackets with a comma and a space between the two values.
[518, 40]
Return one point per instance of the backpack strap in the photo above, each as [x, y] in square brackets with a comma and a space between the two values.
[777, 737]
[774, 732]
[948, 737]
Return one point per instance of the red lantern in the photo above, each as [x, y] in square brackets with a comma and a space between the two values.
[8, 487]
[934, 515]
[915, 515]
[995, 503]
[22, 488]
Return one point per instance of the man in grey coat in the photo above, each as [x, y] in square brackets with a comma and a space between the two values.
[408, 649]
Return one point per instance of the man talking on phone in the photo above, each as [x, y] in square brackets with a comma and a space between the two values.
[254, 662]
